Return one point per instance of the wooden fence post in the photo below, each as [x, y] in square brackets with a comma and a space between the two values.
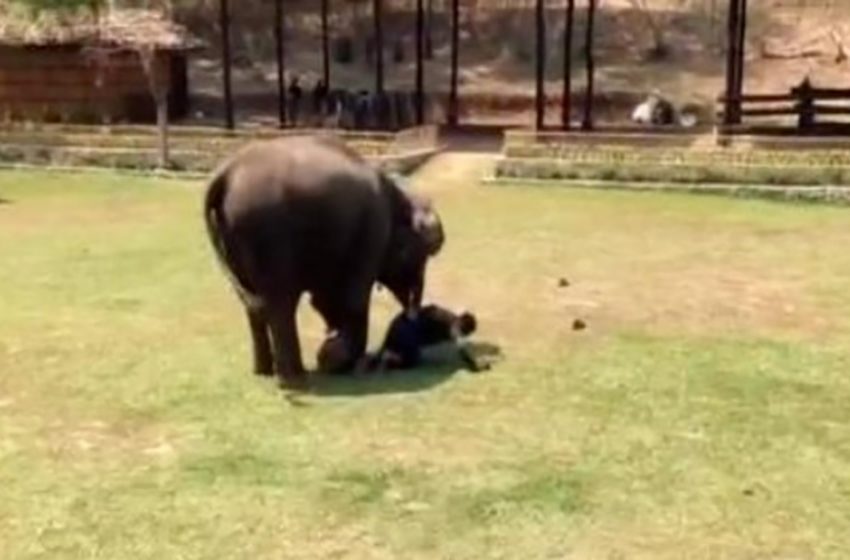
[281, 62]
[453, 98]
[540, 59]
[566, 100]
[420, 78]
[224, 27]
[587, 122]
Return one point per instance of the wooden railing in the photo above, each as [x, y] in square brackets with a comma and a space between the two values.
[805, 102]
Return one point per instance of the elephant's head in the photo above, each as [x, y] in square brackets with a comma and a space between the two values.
[416, 235]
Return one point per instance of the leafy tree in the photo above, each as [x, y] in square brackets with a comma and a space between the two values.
[39, 5]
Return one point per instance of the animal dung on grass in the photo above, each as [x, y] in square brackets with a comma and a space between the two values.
[563, 283]
[579, 325]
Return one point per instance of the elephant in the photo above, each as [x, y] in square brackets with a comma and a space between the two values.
[308, 215]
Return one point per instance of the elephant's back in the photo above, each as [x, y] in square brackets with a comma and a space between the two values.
[292, 169]
[307, 197]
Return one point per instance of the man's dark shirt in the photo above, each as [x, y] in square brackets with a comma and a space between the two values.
[435, 325]
[406, 336]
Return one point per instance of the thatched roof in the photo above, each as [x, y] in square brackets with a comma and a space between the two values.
[117, 28]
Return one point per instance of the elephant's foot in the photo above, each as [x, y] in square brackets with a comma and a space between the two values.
[294, 382]
[263, 368]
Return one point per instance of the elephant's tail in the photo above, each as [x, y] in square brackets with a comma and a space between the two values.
[228, 256]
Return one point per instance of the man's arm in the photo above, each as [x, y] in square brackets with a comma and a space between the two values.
[467, 357]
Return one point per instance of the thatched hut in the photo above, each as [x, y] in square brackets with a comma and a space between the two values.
[86, 67]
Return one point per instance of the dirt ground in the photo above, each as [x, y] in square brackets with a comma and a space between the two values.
[786, 43]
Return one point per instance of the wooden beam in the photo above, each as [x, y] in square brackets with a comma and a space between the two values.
[378, 13]
[566, 99]
[821, 109]
[587, 121]
[540, 58]
[326, 56]
[826, 93]
[453, 101]
[281, 62]
[224, 28]
[763, 98]
[420, 70]
[770, 112]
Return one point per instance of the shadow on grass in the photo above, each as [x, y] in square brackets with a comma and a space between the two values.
[440, 365]
[5, 201]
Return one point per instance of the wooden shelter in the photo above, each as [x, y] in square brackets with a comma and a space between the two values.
[92, 69]
[736, 33]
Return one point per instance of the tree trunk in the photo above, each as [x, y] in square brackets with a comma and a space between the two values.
[162, 130]
[154, 63]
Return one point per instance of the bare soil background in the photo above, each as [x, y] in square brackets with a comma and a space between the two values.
[675, 46]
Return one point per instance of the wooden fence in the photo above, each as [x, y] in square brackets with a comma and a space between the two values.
[807, 103]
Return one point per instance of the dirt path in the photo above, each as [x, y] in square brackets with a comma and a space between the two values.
[452, 170]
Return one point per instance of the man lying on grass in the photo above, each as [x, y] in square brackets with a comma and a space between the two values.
[410, 332]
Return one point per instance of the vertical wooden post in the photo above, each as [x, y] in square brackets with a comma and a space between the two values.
[281, 62]
[326, 56]
[453, 101]
[420, 70]
[540, 58]
[377, 9]
[742, 48]
[224, 27]
[732, 103]
[566, 99]
[805, 105]
[429, 29]
[587, 121]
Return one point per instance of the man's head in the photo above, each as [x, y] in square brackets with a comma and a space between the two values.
[466, 323]
[334, 355]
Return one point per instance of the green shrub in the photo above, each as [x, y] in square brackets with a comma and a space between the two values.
[697, 173]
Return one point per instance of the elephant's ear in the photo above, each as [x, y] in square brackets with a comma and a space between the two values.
[415, 212]
[427, 224]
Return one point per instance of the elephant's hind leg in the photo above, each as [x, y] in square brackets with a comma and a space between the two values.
[287, 349]
[261, 337]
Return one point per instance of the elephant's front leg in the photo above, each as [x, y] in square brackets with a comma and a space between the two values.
[357, 331]
[346, 343]
[287, 349]
[355, 326]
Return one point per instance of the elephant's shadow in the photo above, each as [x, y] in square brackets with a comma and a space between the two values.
[440, 365]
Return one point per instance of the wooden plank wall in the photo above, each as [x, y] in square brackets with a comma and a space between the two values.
[64, 84]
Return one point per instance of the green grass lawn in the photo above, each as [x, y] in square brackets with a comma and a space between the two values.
[704, 413]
